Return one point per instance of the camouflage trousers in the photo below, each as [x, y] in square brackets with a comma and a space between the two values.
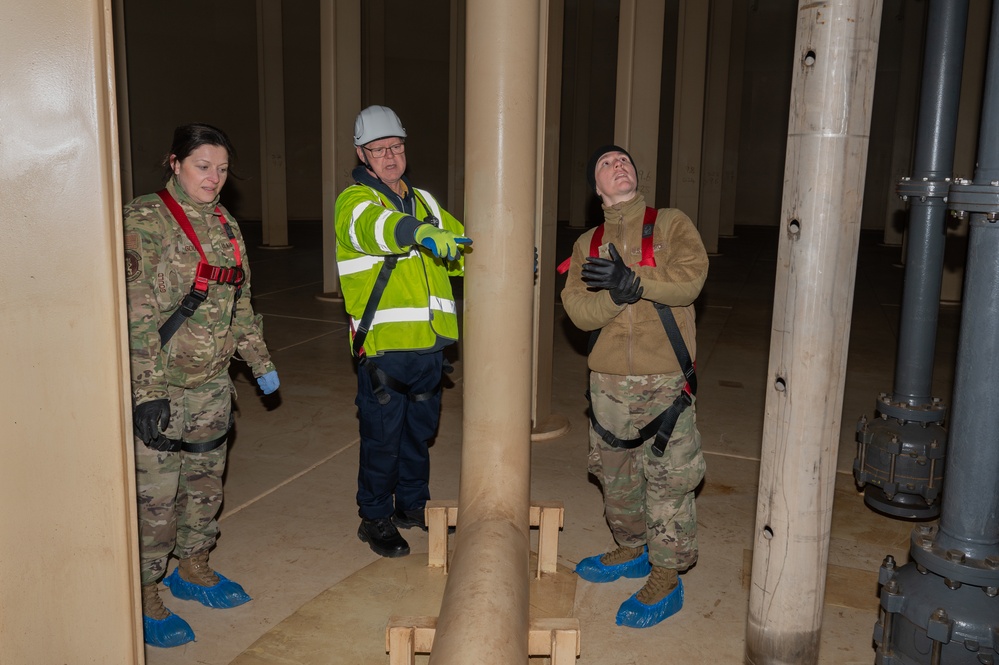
[180, 494]
[647, 499]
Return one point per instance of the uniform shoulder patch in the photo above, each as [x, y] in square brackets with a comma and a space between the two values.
[133, 257]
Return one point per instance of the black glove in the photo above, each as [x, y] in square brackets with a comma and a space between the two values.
[149, 419]
[612, 274]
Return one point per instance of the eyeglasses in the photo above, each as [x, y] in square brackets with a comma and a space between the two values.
[378, 153]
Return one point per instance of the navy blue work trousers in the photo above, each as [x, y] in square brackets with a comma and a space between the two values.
[394, 470]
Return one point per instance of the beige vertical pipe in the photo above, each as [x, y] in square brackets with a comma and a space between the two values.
[688, 109]
[456, 110]
[484, 611]
[733, 119]
[832, 88]
[547, 425]
[715, 107]
[580, 191]
[270, 86]
[68, 541]
[340, 93]
[639, 78]
[121, 83]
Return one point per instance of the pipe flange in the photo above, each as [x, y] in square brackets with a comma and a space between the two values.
[922, 188]
[934, 411]
[966, 196]
[955, 564]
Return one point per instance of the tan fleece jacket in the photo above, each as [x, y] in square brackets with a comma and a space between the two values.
[632, 340]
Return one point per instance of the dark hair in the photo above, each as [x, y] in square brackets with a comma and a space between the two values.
[188, 138]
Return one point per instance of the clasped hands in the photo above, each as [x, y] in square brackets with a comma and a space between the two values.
[612, 274]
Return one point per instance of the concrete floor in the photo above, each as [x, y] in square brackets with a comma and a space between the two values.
[288, 526]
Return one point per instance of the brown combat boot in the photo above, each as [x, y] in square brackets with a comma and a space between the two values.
[197, 571]
[660, 584]
[621, 555]
[152, 606]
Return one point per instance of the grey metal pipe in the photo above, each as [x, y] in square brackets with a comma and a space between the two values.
[936, 134]
[970, 513]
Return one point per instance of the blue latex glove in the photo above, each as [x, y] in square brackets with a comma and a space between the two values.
[269, 382]
[441, 242]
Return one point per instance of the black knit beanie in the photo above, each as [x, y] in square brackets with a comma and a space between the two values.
[591, 166]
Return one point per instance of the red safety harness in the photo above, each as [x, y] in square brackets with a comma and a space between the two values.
[648, 250]
[205, 272]
[662, 425]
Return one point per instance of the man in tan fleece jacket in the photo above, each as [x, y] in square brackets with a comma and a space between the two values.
[640, 261]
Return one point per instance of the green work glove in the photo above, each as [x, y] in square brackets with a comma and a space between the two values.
[441, 242]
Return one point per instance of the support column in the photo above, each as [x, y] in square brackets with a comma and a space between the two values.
[69, 549]
[121, 85]
[484, 611]
[270, 83]
[340, 50]
[579, 151]
[688, 114]
[456, 111]
[733, 120]
[715, 108]
[832, 89]
[639, 72]
[547, 425]
[906, 103]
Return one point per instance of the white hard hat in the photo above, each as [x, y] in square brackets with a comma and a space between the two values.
[377, 122]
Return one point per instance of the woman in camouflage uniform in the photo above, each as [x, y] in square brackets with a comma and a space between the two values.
[189, 311]
[635, 377]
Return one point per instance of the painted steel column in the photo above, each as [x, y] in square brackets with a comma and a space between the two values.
[831, 93]
[906, 105]
[340, 50]
[270, 84]
[484, 611]
[639, 76]
[715, 107]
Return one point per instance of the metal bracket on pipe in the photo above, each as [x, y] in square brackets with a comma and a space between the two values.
[968, 197]
[922, 189]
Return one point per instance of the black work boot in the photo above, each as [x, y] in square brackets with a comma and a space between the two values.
[382, 537]
[405, 519]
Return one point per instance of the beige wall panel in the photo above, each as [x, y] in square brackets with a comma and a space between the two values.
[68, 551]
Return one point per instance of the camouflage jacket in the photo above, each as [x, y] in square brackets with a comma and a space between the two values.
[160, 264]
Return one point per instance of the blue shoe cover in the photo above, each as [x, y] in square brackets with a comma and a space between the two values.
[222, 595]
[169, 632]
[636, 614]
[592, 570]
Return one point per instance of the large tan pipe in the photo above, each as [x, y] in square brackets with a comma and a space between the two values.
[833, 85]
[484, 611]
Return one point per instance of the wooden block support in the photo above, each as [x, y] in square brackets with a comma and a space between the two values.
[556, 638]
[548, 516]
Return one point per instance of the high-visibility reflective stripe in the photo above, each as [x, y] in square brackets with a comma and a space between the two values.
[443, 305]
[379, 227]
[366, 262]
[435, 209]
[410, 314]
